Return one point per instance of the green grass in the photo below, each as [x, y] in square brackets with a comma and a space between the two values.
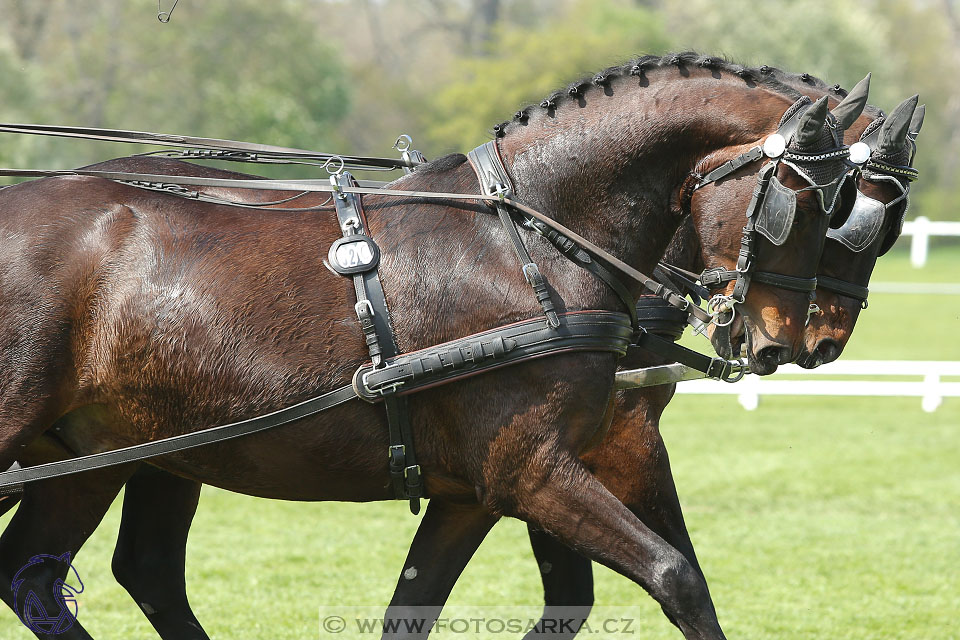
[943, 263]
[812, 518]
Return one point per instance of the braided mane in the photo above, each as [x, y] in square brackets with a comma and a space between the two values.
[766, 76]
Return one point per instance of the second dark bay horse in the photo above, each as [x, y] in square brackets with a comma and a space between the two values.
[129, 316]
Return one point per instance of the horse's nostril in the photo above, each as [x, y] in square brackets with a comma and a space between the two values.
[769, 356]
[772, 356]
[828, 349]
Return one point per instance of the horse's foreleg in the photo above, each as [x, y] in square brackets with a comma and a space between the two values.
[148, 561]
[447, 538]
[561, 497]
[648, 490]
[40, 544]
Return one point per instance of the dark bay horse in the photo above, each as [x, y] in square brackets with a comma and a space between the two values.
[631, 461]
[130, 316]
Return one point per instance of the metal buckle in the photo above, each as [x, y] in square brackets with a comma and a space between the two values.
[385, 390]
[711, 278]
[364, 310]
[533, 274]
[717, 368]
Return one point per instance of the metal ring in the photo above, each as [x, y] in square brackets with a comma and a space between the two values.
[741, 370]
[713, 308]
[164, 16]
[403, 143]
[334, 159]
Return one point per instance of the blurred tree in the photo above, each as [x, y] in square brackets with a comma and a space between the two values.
[351, 76]
[234, 69]
[523, 64]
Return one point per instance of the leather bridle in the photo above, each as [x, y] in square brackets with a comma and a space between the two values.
[866, 220]
[771, 210]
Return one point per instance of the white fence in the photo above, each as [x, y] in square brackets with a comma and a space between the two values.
[833, 379]
[920, 230]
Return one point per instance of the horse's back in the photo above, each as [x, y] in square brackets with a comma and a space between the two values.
[137, 286]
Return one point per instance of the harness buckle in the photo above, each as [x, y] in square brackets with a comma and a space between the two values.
[413, 484]
[397, 454]
[364, 310]
[712, 278]
[531, 274]
[718, 368]
[385, 389]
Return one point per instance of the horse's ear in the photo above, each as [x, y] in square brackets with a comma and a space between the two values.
[811, 124]
[917, 121]
[893, 132]
[852, 106]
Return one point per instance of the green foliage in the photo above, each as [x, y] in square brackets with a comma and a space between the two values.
[522, 65]
[351, 76]
[838, 45]
[244, 69]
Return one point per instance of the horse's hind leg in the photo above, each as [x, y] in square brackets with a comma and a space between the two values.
[53, 521]
[446, 539]
[148, 561]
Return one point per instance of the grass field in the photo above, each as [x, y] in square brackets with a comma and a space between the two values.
[812, 518]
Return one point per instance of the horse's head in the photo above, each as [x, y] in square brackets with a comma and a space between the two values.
[870, 229]
[795, 180]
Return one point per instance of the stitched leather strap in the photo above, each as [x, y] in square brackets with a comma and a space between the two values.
[578, 331]
[849, 289]
[179, 443]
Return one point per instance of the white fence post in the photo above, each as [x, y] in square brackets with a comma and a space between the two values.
[931, 396]
[919, 242]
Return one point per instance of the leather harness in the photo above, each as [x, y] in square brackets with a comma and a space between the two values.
[390, 377]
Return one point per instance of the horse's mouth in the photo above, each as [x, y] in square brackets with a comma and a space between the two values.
[810, 360]
[728, 340]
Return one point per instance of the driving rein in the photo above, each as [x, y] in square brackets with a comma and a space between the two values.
[390, 377]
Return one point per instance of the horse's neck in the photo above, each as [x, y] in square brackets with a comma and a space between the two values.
[610, 166]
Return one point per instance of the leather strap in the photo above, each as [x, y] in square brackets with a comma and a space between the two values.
[179, 443]
[578, 331]
[843, 287]
[374, 317]
[494, 181]
[713, 367]
[718, 277]
[208, 147]
[160, 182]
